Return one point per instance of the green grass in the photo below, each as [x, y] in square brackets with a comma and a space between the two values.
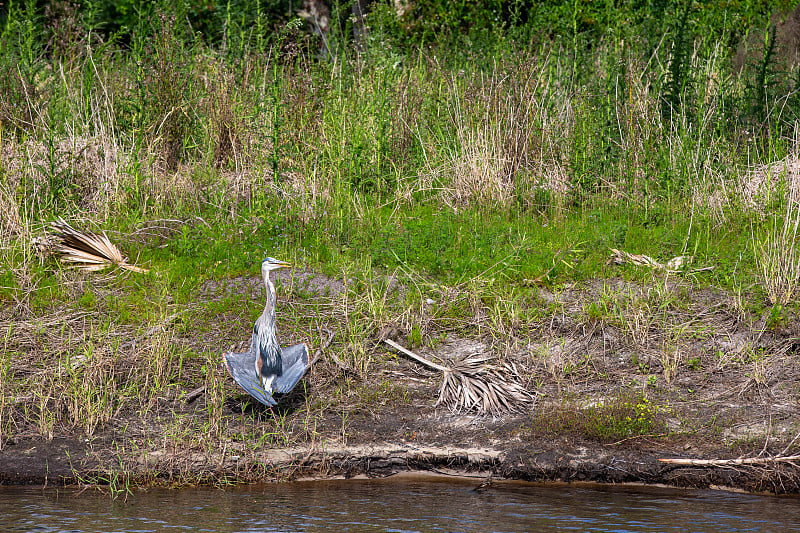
[449, 247]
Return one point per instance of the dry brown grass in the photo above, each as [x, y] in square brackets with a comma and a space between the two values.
[778, 257]
[753, 190]
[499, 143]
[760, 188]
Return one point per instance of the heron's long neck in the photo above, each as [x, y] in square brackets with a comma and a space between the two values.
[269, 347]
[269, 308]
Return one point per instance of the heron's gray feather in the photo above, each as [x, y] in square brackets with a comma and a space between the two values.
[269, 349]
[240, 366]
[295, 364]
[267, 346]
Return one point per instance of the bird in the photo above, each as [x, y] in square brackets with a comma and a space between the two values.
[267, 368]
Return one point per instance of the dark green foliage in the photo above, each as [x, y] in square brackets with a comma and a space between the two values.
[159, 33]
[165, 62]
[678, 76]
[217, 22]
[765, 77]
[22, 45]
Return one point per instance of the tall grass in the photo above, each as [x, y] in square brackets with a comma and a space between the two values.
[170, 124]
[165, 125]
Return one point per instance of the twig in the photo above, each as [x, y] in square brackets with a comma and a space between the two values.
[341, 364]
[790, 444]
[534, 281]
[193, 395]
[322, 346]
[635, 437]
[163, 325]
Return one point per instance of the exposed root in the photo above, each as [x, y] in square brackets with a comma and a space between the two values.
[742, 461]
[734, 462]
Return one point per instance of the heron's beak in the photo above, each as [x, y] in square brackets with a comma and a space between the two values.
[284, 264]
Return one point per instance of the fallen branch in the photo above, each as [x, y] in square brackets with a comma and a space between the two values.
[322, 346]
[733, 462]
[193, 395]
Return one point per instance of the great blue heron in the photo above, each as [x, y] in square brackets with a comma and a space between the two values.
[267, 368]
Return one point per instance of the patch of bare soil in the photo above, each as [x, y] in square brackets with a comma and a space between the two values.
[309, 283]
[624, 376]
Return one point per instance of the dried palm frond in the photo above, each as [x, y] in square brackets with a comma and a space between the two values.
[676, 264]
[474, 384]
[89, 251]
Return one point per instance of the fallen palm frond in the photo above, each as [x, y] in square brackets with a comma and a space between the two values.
[676, 264]
[89, 251]
[472, 384]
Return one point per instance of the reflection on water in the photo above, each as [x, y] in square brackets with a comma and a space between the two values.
[396, 505]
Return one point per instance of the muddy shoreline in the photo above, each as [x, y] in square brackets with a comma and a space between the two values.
[68, 462]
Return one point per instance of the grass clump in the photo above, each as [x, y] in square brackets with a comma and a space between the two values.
[618, 418]
[778, 258]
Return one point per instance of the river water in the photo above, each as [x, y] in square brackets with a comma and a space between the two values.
[395, 505]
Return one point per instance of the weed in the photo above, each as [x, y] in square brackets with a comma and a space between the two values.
[615, 419]
[593, 312]
[5, 397]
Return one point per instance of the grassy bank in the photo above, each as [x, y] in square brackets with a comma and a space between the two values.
[492, 178]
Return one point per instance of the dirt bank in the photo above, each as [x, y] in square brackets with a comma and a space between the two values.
[637, 378]
[69, 461]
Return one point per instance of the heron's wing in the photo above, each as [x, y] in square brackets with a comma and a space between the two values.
[295, 364]
[242, 369]
[294, 353]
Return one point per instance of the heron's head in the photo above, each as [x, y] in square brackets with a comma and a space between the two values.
[270, 263]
